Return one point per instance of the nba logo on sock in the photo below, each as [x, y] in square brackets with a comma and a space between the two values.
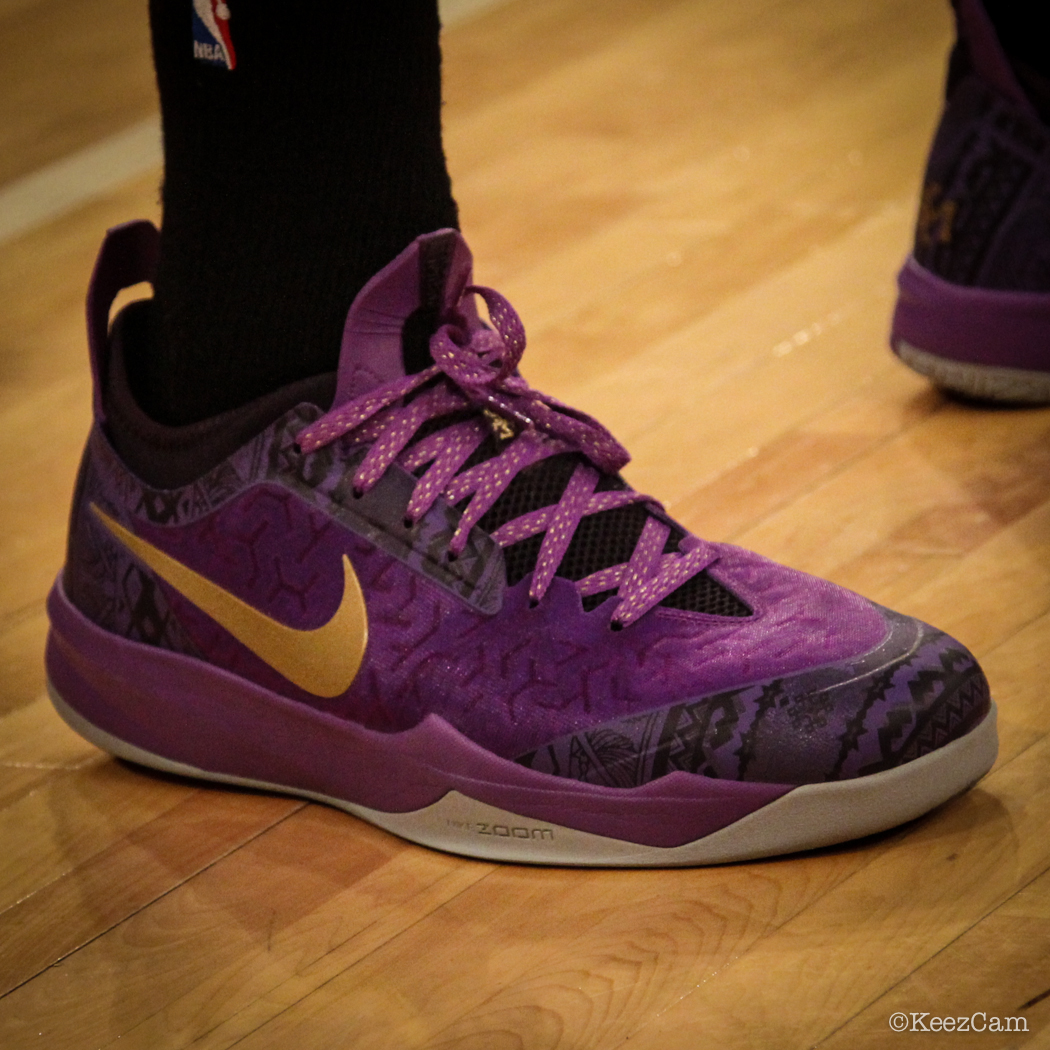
[211, 33]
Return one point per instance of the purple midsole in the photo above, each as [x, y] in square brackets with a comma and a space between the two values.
[975, 325]
[186, 710]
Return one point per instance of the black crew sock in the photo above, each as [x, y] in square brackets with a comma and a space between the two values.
[290, 180]
[1017, 26]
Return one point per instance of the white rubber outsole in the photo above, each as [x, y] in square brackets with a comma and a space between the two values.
[988, 382]
[808, 817]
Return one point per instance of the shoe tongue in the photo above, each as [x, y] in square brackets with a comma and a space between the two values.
[390, 323]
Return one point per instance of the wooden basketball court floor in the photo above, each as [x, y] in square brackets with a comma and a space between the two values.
[698, 208]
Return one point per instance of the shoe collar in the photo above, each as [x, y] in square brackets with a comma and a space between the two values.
[432, 270]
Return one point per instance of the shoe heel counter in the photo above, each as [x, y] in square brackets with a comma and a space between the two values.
[981, 221]
[956, 139]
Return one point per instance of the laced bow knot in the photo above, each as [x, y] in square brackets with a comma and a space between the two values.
[480, 357]
[488, 365]
[482, 363]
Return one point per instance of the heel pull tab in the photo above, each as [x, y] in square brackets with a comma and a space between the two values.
[128, 256]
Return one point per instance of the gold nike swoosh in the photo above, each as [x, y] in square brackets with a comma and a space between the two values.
[323, 661]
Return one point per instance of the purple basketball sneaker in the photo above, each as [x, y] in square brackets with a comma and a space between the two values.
[974, 307]
[420, 591]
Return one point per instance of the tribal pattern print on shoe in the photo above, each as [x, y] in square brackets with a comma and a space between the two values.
[436, 604]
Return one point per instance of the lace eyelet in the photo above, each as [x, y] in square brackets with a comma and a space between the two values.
[357, 493]
[615, 625]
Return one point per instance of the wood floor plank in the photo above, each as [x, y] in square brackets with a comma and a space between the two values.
[71, 817]
[773, 475]
[727, 203]
[1016, 669]
[43, 283]
[817, 328]
[245, 938]
[968, 979]
[32, 737]
[1008, 574]
[22, 634]
[919, 505]
[39, 473]
[99, 48]
[308, 954]
[44, 416]
[138, 868]
[578, 957]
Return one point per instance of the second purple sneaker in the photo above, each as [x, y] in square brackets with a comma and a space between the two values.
[420, 590]
[973, 312]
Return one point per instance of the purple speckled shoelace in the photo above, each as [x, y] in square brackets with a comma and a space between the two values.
[476, 368]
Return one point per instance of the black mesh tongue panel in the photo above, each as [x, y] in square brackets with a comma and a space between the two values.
[601, 541]
[704, 594]
[540, 485]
